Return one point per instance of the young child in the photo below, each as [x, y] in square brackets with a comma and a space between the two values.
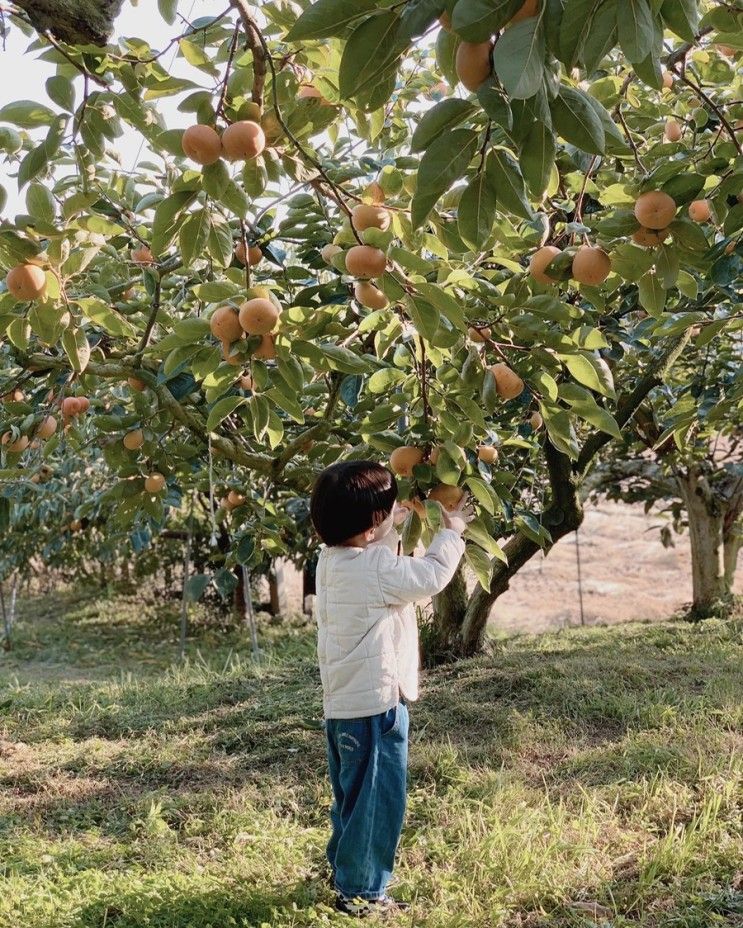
[368, 653]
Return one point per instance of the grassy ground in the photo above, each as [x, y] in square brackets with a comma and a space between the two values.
[589, 777]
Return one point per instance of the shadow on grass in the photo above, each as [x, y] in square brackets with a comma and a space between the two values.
[553, 709]
[235, 904]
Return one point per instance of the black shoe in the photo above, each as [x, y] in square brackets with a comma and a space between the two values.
[363, 908]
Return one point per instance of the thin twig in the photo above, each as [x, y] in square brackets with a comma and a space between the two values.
[223, 93]
[75, 64]
[713, 106]
[151, 321]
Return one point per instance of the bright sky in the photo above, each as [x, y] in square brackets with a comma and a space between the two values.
[29, 74]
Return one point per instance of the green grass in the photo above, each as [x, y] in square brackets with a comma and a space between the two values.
[588, 777]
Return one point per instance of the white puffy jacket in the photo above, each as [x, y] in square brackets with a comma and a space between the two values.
[367, 641]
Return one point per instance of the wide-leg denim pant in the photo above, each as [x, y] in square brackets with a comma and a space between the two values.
[368, 760]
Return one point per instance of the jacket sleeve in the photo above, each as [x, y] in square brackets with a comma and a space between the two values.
[409, 579]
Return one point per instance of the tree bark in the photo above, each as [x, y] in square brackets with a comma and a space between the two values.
[706, 517]
[76, 22]
[732, 533]
[449, 608]
[563, 515]
[731, 547]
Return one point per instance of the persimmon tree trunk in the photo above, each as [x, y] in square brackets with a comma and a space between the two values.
[459, 621]
[706, 517]
[732, 534]
[77, 22]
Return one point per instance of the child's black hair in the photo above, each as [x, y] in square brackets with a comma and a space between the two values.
[349, 497]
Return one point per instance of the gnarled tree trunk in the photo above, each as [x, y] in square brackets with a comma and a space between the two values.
[706, 516]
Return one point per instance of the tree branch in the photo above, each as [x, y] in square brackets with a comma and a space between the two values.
[257, 46]
[627, 404]
[261, 463]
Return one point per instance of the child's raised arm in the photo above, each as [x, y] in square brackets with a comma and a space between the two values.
[409, 579]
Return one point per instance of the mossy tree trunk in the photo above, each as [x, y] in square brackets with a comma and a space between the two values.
[76, 22]
[706, 517]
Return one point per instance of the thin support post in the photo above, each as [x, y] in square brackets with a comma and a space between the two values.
[580, 578]
[7, 641]
[184, 598]
[250, 615]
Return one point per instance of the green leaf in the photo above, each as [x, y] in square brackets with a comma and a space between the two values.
[425, 317]
[575, 119]
[537, 158]
[518, 58]
[681, 17]
[76, 348]
[583, 404]
[635, 29]
[167, 220]
[197, 57]
[444, 302]
[530, 526]
[27, 114]
[667, 266]
[105, 317]
[575, 25]
[495, 103]
[602, 35]
[410, 260]
[386, 378]
[370, 50]
[481, 565]
[584, 369]
[689, 235]
[343, 359]
[194, 587]
[504, 175]
[477, 20]
[560, 429]
[61, 91]
[445, 160]
[445, 115]
[478, 532]
[38, 158]
[193, 236]
[326, 18]
[476, 211]
[47, 321]
[446, 53]
[219, 243]
[19, 333]
[215, 178]
[651, 294]
[14, 249]
[221, 409]
[482, 493]
[545, 383]
[216, 290]
[292, 372]
[40, 203]
[411, 532]
[235, 199]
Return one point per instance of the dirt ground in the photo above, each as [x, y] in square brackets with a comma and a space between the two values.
[626, 574]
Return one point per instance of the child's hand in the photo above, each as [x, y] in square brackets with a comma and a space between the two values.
[457, 518]
[399, 514]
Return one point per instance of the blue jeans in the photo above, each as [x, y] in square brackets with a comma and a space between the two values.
[368, 761]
